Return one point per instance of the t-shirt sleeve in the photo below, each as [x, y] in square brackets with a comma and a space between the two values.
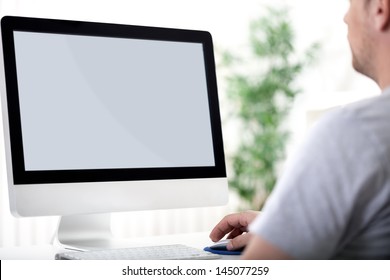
[309, 211]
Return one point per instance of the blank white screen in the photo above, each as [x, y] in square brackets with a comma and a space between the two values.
[97, 102]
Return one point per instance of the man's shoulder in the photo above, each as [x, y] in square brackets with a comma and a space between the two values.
[369, 114]
[376, 106]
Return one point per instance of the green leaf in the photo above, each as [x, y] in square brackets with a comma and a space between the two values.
[262, 101]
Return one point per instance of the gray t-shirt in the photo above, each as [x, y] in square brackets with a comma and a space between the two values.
[333, 200]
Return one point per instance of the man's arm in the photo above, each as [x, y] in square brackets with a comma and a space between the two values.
[259, 249]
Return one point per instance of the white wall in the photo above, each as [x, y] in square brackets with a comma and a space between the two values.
[331, 81]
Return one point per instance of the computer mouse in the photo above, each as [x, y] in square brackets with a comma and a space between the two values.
[219, 247]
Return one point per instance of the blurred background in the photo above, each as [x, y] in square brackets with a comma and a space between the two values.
[320, 77]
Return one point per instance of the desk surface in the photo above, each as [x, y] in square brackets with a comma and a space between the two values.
[47, 251]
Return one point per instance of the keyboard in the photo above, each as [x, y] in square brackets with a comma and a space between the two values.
[164, 252]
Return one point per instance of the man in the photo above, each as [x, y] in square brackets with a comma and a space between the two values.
[333, 200]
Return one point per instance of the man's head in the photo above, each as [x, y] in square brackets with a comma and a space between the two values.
[369, 38]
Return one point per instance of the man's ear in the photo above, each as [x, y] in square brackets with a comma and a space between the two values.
[381, 13]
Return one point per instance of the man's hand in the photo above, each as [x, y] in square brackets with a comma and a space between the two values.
[235, 225]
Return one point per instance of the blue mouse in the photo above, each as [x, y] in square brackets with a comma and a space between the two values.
[219, 247]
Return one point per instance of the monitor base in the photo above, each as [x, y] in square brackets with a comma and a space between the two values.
[85, 232]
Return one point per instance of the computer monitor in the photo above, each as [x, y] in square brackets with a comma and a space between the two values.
[100, 118]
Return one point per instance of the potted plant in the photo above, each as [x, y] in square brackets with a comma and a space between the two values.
[262, 100]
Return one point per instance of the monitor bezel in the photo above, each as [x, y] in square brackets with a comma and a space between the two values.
[21, 176]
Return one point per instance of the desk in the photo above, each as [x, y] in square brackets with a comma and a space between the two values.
[47, 252]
